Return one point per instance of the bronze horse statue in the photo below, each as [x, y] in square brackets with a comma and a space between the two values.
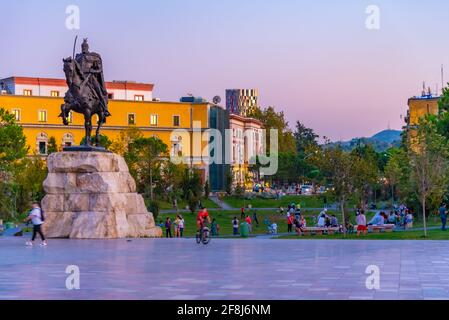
[81, 98]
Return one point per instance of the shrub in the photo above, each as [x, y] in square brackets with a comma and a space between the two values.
[154, 208]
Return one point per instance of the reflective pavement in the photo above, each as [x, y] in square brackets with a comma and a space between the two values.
[224, 269]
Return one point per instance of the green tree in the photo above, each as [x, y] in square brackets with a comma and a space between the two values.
[52, 145]
[397, 173]
[430, 166]
[146, 156]
[172, 175]
[192, 188]
[28, 182]
[337, 168]
[13, 146]
[305, 137]
[13, 150]
[104, 141]
[120, 145]
[365, 172]
[206, 190]
[276, 120]
[229, 182]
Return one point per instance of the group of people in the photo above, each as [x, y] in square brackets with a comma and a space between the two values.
[325, 220]
[177, 225]
[294, 218]
[246, 216]
[401, 216]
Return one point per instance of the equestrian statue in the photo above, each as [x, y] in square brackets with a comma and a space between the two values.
[87, 92]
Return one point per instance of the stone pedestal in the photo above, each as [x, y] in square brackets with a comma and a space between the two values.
[91, 195]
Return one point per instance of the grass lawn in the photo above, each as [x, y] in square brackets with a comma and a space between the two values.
[398, 235]
[182, 204]
[224, 219]
[305, 201]
[315, 201]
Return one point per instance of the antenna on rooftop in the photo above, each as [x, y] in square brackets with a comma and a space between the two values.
[442, 79]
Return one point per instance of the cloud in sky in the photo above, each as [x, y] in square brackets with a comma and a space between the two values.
[313, 59]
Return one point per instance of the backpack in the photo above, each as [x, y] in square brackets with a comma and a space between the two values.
[42, 215]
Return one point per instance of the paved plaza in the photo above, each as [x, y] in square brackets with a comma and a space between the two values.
[224, 269]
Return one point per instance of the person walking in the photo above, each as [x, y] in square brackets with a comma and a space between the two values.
[168, 228]
[176, 227]
[36, 216]
[181, 226]
[242, 213]
[235, 226]
[255, 217]
[443, 216]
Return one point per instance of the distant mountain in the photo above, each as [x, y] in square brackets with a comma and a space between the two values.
[380, 141]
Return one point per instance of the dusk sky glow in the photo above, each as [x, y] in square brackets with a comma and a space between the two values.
[315, 60]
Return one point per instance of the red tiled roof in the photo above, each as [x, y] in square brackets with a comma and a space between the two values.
[62, 83]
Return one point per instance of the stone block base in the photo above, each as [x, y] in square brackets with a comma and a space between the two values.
[91, 195]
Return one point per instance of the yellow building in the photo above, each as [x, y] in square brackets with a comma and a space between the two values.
[419, 107]
[38, 115]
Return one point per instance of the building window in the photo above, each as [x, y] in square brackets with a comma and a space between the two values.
[16, 113]
[54, 94]
[153, 119]
[27, 92]
[67, 140]
[42, 116]
[41, 143]
[138, 97]
[70, 117]
[131, 119]
[176, 121]
[176, 149]
[42, 147]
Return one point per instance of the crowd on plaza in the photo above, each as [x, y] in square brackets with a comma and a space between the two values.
[177, 225]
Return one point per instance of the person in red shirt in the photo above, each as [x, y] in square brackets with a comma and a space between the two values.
[248, 221]
[202, 216]
[289, 223]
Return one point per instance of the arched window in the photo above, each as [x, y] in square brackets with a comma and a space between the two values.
[42, 143]
[67, 140]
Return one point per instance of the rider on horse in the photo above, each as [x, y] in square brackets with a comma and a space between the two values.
[92, 69]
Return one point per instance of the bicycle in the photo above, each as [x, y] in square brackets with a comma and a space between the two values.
[203, 236]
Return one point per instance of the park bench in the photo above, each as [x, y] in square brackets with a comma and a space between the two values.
[320, 230]
[382, 228]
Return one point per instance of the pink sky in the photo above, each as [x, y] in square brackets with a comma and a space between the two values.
[315, 60]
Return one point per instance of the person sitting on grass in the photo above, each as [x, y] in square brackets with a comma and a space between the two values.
[274, 227]
[321, 221]
[303, 221]
[334, 221]
[349, 227]
[377, 220]
[299, 227]
[392, 218]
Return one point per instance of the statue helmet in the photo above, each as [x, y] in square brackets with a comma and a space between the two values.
[85, 45]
